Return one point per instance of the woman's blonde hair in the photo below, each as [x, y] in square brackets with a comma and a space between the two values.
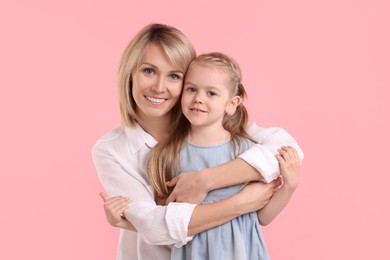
[165, 155]
[175, 44]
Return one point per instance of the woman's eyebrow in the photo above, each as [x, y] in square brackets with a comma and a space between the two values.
[149, 64]
[155, 67]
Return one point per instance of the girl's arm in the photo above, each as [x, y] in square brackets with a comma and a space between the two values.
[289, 167]
[176, 222]
[255, 164]
[254, 195]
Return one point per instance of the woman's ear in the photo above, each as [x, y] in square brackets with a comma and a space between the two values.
[232, 105]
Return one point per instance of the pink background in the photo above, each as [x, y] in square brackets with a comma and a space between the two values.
[320, 69]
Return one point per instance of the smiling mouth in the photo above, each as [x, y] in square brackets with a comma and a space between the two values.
[155, 100]
[197, 110]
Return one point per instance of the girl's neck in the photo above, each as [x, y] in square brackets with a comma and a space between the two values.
[156, 127]
[208, 136]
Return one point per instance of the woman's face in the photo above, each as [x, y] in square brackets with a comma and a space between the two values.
[157, 84]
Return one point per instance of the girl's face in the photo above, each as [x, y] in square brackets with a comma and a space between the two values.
[206, 96]
[157, 84]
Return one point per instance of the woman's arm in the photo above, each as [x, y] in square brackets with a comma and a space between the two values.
[163, 225]
[120, 173]
[289, 167]
[262, 155]
[193, 187]
[114, 208]
[255, 164]
[254, 195]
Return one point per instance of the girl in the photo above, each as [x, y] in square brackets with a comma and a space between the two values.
[150, 83]
[211, 131]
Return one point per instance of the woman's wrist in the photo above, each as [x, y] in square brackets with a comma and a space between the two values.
[125, 224]
[240, 205]
[207, 179]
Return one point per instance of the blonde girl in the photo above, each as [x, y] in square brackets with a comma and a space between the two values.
[212, 131]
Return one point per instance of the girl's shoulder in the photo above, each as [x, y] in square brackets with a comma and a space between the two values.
[243, 140]
[241, 144]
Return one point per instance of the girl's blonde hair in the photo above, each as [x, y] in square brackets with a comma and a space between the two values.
[175, 44]
[165, 155]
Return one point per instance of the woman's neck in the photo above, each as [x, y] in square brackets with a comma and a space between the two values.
[208, 136]
[156, 127]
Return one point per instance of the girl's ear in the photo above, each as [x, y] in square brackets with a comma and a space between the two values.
[232, 105]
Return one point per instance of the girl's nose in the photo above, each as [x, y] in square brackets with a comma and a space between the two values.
[198, 98]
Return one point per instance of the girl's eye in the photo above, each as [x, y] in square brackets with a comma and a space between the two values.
[148, 71]
[174, 76]
[191, 89]
[211, 93]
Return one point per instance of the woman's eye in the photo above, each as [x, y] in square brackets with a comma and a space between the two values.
[174, 76]
[148, 71]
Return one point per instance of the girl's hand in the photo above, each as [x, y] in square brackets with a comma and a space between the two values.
[290, 166]
[189, 187]
[113, 208]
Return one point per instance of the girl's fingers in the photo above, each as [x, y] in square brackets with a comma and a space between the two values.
[293, 155]
[279, 158]
[290, 151]
[284, 153]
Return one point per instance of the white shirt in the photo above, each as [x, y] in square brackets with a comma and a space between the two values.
[120, 159]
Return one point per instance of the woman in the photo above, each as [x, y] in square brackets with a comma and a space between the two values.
[150, 82]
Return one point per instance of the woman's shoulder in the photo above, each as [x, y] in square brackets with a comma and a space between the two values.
[112, 135]
[122, 138]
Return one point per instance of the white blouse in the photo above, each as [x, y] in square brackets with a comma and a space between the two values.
[120, 159]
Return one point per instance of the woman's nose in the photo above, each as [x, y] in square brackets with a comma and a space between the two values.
[159, 85]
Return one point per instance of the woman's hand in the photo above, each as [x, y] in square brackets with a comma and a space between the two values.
[290, 165]
[113, 208]
[256, 195]
[190, 187]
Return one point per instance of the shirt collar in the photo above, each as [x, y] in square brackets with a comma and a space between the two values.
[138, 138]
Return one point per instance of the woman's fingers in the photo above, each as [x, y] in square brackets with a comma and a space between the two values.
[115, 203]
[104, 196]
[117, 207]
[172, 182]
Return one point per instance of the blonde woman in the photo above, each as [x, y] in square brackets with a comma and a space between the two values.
[150, 76]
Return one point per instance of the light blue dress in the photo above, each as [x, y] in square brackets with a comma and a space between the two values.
[238, 239]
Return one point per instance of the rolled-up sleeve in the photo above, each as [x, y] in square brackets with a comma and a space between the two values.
[261, 156]
[120, 175]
